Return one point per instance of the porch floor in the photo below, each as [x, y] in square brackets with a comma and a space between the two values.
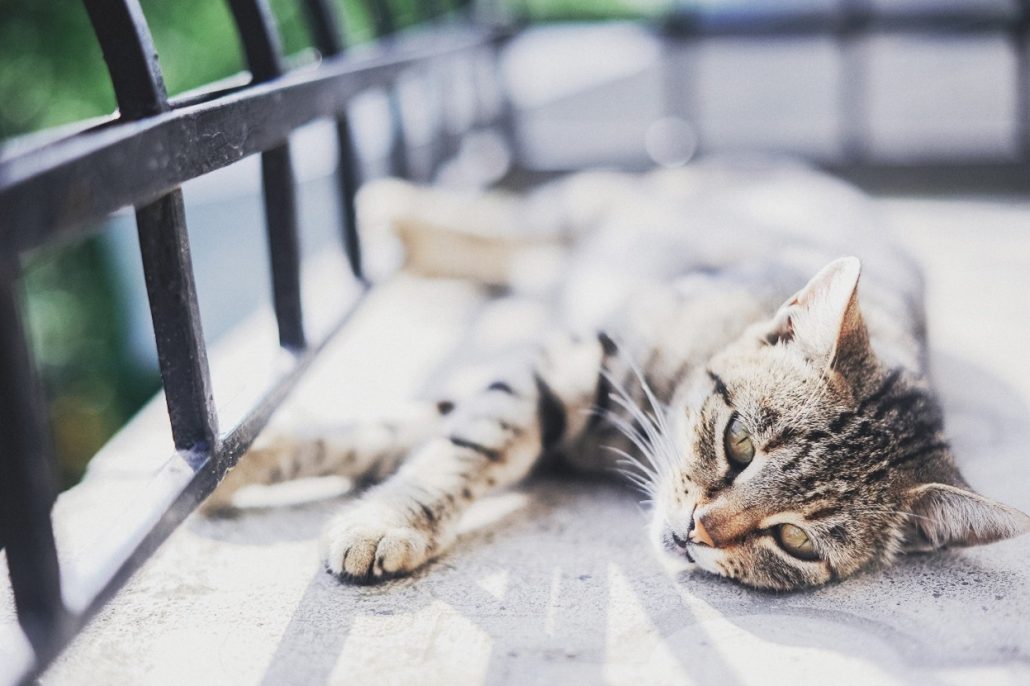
[554, 582]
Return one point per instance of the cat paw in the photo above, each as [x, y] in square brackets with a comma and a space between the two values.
[371, 543]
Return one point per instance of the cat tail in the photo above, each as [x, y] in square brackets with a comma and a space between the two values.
[494, 238]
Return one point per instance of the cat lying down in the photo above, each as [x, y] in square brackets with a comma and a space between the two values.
[743, 345]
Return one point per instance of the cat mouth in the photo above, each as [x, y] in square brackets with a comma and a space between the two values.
[677, 546]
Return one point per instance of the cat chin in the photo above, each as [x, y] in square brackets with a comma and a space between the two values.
[674, 564]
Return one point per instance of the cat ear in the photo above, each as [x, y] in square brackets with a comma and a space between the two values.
[824, 317]
[944, 515]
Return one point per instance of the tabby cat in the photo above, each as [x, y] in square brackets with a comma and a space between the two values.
[774, 406]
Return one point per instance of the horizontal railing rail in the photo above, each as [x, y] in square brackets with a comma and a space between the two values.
[87, 177]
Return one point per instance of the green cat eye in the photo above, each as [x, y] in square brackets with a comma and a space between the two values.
[740, 449]
[795, 541]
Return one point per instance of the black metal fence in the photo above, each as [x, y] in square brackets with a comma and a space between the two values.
[63, 188]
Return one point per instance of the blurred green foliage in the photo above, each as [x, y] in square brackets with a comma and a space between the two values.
[77, 334]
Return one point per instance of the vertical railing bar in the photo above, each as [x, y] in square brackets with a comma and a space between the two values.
[135, 73]
[1021, 43]
[853, 29]
[506, 117]
[434, 9]
[27, 484]
[255, 24]
[429, 12]
[400, 165]
[507, 120]
[131, 58]
[382, 18]
[278, 186]
[348, 174]
[442, 145]
[178, 332]
[324, 25]
[385, 25]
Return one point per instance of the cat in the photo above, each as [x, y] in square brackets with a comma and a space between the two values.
[769, 396]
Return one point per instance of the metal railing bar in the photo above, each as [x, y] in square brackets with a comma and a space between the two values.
[382, 17]
[324, 25]
[1021, 44]
[256, 27]
[852, 80]
[507, 120]
[27, 486]
[432, 10]
[178, 333]
[348, 174]
[131, 58]
[277, 182]
[385, 28]
[87, 178]
[135, 74]
[399, 164]
[444, 143]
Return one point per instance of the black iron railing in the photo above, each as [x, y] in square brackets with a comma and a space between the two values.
[63, 188]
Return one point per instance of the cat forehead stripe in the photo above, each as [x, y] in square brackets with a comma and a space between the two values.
[720, 387]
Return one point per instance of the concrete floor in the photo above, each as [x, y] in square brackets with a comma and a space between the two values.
[554, 582]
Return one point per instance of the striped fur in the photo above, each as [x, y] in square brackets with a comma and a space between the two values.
[706, 327]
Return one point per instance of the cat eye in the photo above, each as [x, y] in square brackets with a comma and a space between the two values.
[740, 449]
[795, 541]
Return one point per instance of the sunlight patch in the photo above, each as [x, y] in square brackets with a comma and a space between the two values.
[434, 645]
[495, 584]
[489, 511]
[635, 651]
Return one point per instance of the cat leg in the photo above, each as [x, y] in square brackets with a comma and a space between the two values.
[365, 450]
[490, 441]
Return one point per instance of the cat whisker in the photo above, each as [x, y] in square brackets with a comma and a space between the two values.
[644, 443]
[659, 448]
[645, 478]
[643, 483]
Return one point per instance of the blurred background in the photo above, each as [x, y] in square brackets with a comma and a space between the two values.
[653, 82]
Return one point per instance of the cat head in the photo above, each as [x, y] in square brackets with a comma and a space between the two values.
[802, 459]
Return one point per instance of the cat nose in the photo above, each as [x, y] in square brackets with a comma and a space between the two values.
[698, 533]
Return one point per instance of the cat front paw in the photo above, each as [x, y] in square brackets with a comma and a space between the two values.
[372, 543]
